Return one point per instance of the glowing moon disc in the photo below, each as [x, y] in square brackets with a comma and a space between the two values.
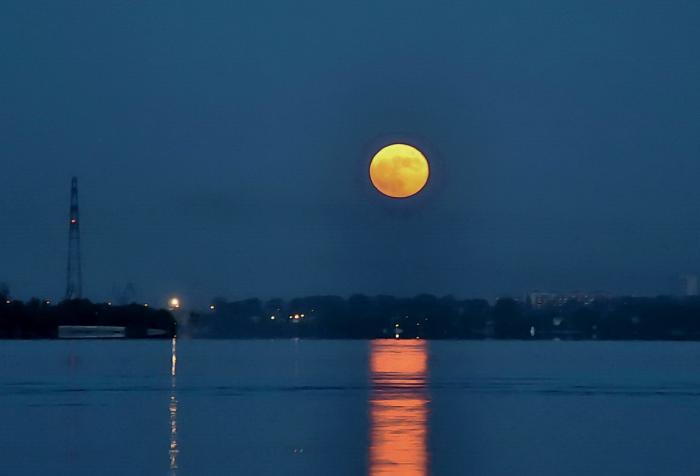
[399, 170]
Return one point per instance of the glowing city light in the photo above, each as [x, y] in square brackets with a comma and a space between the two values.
[174, 303]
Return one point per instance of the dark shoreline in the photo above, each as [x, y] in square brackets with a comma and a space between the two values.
[425, 316]
[363, 317]
[41, 320]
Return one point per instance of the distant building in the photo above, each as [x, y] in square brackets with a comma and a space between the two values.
[540, 300]
[689, 284]
[543, 300]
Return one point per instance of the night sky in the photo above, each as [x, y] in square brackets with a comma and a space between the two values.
[222, 147]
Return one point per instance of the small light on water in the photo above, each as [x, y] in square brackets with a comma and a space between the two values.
[272, 318]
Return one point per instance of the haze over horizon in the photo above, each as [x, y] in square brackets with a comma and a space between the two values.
[223, 151]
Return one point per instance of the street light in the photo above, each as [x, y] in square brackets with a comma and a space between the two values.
[174, 303]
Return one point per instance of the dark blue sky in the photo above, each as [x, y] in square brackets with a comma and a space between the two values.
[222, 147]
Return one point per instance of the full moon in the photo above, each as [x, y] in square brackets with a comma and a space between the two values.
[399, 170]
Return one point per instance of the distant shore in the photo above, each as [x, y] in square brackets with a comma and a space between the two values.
[81, 318]
[430, 317]
[363, 317]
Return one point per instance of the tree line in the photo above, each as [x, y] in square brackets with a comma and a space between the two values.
[430, 317]
[368, 317]
[37, 319]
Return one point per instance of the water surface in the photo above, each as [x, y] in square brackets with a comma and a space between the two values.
[290, 407]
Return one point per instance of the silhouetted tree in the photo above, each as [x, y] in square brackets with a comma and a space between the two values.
[508, 320]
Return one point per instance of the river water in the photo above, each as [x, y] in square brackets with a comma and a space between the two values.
[306, 407]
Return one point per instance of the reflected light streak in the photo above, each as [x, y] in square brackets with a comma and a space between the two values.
[398, 408]
[173, 360]
[172, 408]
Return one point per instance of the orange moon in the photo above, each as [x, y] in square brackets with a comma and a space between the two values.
[399, 170]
